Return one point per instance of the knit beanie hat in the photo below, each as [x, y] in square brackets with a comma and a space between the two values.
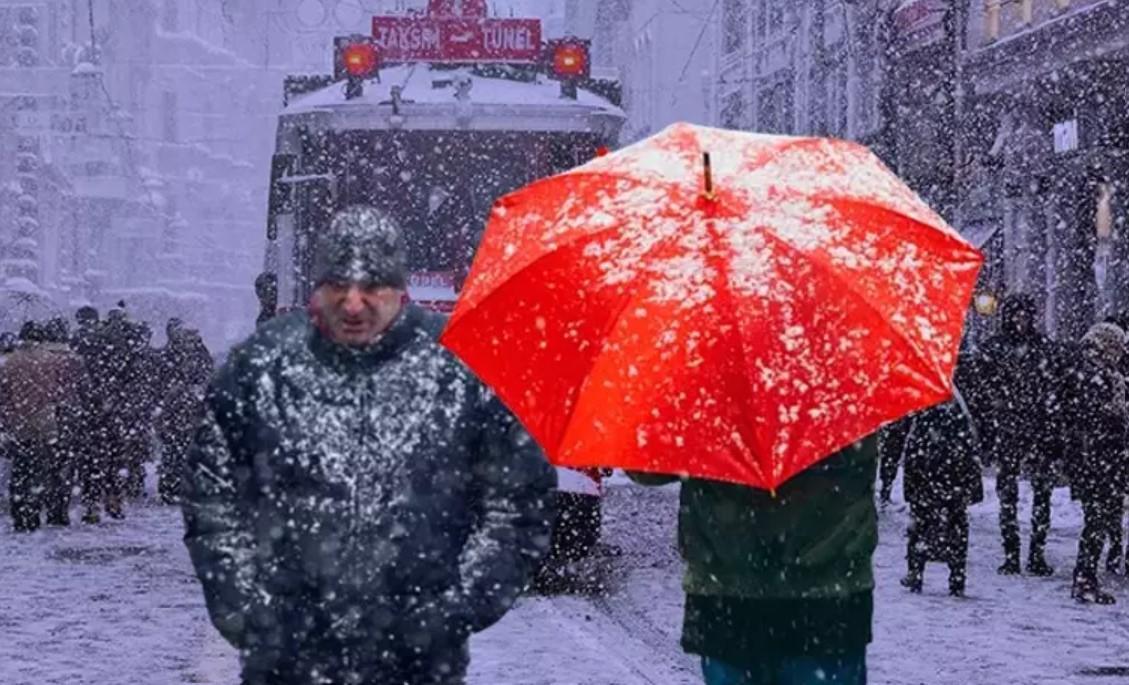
[363, 245]
[1108, 339]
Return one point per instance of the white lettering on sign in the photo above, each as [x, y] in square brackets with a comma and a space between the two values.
[501, 37]
[419, 37]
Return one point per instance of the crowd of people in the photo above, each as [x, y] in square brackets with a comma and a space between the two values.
[1055, 413]
[83, 410]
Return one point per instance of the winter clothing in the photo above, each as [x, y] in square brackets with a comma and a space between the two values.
[186, 368]
[942, 479]
[38, 395]
[266, 290]
[845, 669]
[118, 406]
[780, 575]
[357, 512]
[362, 245]
[891, 443]
[1098, 411]
[1020, 421]
[1114, 561]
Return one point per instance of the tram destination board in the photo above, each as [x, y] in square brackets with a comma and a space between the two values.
[450, 39]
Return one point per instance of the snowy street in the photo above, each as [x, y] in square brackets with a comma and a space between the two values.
[117, 603]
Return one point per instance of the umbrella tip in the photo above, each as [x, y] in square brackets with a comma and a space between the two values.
[708, 171]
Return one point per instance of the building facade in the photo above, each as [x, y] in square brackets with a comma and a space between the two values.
[1045, 134]
[149, 138]
[665, 57]
[799, 68]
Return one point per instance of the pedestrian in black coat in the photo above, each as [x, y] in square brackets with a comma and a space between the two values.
[1021, 371]
[356, 502]
[1098, 412]
[942, 479]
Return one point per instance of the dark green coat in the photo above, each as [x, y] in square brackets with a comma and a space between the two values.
[772, 577]
[815, 538]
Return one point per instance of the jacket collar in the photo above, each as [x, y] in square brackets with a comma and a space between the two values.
[400, 334]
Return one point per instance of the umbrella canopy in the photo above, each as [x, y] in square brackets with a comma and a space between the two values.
[632, 318]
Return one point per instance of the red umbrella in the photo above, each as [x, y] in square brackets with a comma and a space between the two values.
[633, 316]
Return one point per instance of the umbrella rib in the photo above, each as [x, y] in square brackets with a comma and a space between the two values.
[628, 300]
[826, 269]
[955, 241]
[534, 262]
[580, 171]
[572, 240]
[724, 276]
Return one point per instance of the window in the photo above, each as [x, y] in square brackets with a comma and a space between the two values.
[733, 111]
[992, 20]
[775, 108]
[775, 16]
[837, 99]
[735, 23]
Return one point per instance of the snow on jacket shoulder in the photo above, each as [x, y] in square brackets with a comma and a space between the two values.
[333, 491]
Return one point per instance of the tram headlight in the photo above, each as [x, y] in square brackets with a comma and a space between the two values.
[356, 57]
[569, 59]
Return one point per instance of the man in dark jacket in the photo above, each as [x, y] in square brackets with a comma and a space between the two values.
[1098, 413]
[141, 376]
[942, 479]
[1021, 423]
[93, 470]
[780, 587]
[356, 502]
[186, 367]
[1115, 561]
[891, 443]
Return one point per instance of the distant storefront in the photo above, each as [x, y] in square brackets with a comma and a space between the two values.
[1046, 175]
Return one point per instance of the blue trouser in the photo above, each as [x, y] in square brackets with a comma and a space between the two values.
[845, 669]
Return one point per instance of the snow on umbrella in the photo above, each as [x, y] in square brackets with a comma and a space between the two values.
[631, 318]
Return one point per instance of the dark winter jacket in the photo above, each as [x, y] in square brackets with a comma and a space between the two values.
[812, 538]
[941, 468]
[186, 368]
[39, 389]
[1098, 416]
[1019, 375]
[122, 371]
[344, 508]
[891, 444]
[780, 574]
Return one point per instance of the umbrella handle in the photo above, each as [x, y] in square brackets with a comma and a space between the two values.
[709, 176]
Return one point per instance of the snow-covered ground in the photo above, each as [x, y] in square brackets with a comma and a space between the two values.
[118, 604]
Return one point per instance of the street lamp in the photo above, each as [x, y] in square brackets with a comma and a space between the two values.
[985, 303]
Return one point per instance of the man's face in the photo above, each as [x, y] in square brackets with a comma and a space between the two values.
[357, 315]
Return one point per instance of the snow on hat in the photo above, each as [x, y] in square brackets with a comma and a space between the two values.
[1107, 338]
[362, 245]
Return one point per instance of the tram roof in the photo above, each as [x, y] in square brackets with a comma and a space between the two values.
[494, 103]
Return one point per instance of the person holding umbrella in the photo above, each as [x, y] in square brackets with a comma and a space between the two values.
[743, 313]
[780, 587]
[356, 503]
